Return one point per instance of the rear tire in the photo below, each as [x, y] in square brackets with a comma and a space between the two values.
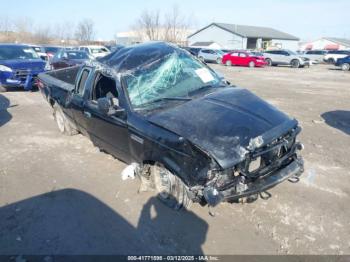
[251, 64]
[219, 61]
[228, 63]
[268, 61]
[64, 125]
[295, 63]
[331, 61]
[2, 89]
[171, 190]
[345, 67]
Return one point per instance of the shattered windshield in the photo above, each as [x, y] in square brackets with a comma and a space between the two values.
[176, 75]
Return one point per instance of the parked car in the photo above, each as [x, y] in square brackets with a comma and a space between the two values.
[19, 66]
[210, 55]
[51, 51]
[333, 55]
[95, 50]
[343, 63]
[243, 58]
[66, 58]
[316, 56]
[181, 128]
[285, 57]
[40, 51]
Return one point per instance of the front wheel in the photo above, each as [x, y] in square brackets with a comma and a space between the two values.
[228, 63]
[345, 67]
[64, 125]
[295, 63]
[171, 190]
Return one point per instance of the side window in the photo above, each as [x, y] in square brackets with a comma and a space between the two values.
[242, 55]
[104, 87]
[84, 76]
[234, 54]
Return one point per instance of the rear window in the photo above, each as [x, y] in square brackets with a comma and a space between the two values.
[17, 52]
[77, 55]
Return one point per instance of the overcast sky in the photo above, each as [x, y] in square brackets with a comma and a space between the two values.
[306, 19]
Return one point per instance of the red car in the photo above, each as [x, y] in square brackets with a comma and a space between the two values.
[243, 58]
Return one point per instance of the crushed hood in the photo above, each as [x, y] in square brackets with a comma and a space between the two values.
[226, 123]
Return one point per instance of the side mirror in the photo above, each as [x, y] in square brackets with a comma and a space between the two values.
[107, 107]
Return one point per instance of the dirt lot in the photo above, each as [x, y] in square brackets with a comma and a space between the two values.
[60, 195]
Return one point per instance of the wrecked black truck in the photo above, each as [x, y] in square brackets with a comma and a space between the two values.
[191, 136]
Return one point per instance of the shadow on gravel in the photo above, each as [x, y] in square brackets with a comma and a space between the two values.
[5, 116]
[71, 222]
[339, 119]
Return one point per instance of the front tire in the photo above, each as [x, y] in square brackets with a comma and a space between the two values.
[331, 61]
[345, 67]
[228, 63]
[64, 125]
[171, 190]
[295, 63]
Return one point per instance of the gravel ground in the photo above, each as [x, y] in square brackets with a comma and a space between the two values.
[60, 195]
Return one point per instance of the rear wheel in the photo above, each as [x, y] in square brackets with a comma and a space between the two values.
[64, 125]
[268, 61]
[251, 64]
[2, 89]
[171, 190]
[228, 63]
[218, 60]
[331, 61]
[345, 67]
[295, 63]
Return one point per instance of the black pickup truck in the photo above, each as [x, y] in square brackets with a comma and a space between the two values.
[191, 135]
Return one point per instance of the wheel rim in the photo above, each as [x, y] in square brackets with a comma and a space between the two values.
[60, 121]
[228, 63]
[295, 64]
[345, 67]
[269, 62]
[218, 61]
[251, 64]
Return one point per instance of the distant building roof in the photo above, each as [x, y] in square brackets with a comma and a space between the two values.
[341, 41]
[202, 43]
[252, 31]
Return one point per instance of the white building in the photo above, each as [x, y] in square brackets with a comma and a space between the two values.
[230, 36]
[326, 43]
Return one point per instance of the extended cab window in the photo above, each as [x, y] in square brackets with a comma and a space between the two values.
[82, 81]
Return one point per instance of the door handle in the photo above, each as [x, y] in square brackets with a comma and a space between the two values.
[87, 114]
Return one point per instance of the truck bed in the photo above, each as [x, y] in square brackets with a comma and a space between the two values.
[58, 83]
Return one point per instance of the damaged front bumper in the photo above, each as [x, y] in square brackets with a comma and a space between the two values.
[214, 196]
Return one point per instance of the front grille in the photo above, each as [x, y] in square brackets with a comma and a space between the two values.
[270, 157]
[21, 74]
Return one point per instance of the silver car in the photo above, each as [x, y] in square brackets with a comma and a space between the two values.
[210, 55]
[285, 57]
[315, 55]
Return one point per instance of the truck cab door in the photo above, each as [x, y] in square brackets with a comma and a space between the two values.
[78, 100]
[109, 133]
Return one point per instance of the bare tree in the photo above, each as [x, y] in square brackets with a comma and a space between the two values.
[149, 25]
[42, 35]
[85, 31]
[176, 26]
